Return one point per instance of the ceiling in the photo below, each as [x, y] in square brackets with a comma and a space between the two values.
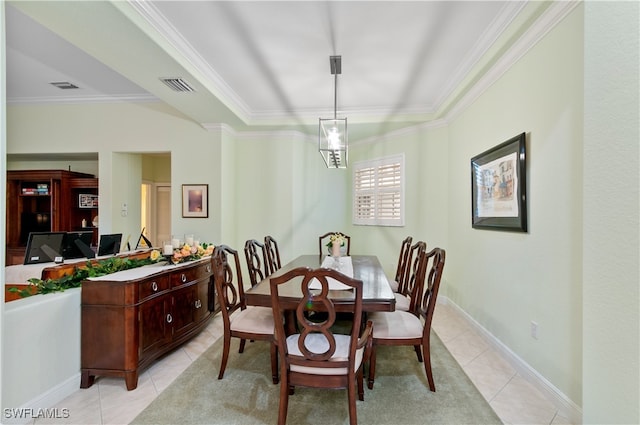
[257, 65]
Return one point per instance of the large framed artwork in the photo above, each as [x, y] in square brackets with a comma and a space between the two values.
[195, 200]
[499, 186]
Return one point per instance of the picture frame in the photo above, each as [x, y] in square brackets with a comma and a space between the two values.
[499, 187]
[87, 200]
[195, 200]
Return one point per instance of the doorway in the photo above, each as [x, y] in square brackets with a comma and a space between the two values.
[156, 212]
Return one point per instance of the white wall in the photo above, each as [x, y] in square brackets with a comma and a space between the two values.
[80, 166]
[42, 349]
[127, 129]
[3, 186]
[611, 327]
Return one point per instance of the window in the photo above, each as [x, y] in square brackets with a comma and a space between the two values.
[378, 192]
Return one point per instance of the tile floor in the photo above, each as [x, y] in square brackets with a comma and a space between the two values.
[513, 399]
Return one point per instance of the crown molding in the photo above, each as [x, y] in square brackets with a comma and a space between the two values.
[551, 17]
[210, 77]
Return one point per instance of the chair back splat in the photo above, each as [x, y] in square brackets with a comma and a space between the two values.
[239, 321]
[405, 248]
[324, 239]
[272, 255]
[254, 253]
[408, 290]
[318, 356]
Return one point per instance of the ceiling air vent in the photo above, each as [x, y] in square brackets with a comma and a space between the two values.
[177, 84]
[64, 85]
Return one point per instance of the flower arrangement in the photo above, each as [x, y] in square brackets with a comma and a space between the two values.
[336, 237]
[185, 253]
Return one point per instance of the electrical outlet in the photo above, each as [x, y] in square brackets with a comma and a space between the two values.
[534, 330]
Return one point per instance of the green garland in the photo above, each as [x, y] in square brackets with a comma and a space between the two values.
[74, 280]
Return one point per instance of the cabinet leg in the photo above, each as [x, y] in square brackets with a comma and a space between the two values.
[131, 379]
[86, 380]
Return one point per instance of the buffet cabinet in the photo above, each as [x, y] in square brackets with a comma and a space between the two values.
[131, 318]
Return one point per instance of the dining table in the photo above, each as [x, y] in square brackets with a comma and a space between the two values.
[377, 294]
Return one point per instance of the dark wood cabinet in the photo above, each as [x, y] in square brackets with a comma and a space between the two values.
[128, 323]
[84, 196]
[44, 201]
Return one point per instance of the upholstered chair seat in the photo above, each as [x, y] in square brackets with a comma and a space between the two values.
[318, 344]
[257, 320]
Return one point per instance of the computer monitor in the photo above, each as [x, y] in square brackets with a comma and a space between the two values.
[44, 247]
[110, 244]
[77, 245]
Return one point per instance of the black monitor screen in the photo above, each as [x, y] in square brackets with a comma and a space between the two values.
[77, 245]
[44, 247]
[110, 244]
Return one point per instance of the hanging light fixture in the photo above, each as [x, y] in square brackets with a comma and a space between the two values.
[332, 132]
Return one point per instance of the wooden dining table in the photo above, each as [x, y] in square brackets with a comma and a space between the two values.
[377, 294]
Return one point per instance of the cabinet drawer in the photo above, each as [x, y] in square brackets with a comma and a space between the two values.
[152, 286]
[190, 274]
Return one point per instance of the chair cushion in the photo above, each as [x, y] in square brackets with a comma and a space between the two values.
[258, 320]
[395, 325]
[317, 343]
[402, 302]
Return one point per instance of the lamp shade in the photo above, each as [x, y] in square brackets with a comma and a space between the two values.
[332, 141]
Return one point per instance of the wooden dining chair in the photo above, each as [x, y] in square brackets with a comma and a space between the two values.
[408, 292]
[255, 255]
[405, 247]
[324, 239]
[239, 320]
[411, 328]
[316, 356]
[272, 254]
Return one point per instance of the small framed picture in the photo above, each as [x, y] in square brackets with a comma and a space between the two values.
[195, 200]
[499, 187]
[87, 200]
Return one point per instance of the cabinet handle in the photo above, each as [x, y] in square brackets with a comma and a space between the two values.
[169, 318]
[154, 286]
[184, 277]
[208, 268]
[198, 303]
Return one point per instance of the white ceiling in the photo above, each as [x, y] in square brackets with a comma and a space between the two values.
[255, 64]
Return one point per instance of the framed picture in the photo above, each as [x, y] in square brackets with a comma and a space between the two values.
[87, 200]
[499, 186]
[195, 200]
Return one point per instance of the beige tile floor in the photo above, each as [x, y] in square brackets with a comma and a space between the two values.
[513, 398]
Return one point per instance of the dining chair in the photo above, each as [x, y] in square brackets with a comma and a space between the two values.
[322, 244]
[272, 254]
[408, 292]
[405, 247]
[255, 254]
[239, 320]
[317, 357]
[411, 328]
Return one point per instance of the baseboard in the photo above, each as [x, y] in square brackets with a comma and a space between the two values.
[565, 406]
[41, 405]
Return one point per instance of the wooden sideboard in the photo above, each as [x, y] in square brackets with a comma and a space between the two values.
[131, 318]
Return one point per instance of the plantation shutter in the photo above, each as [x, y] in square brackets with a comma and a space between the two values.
[378, 192]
